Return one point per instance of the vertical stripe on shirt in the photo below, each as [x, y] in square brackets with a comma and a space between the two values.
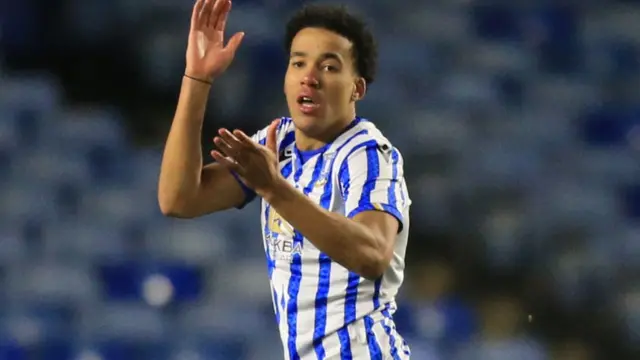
[389, 332]
[296, 269]
[373, 171]
[324, 275]
[271, 262]
[395, 158]
[393, 184]
[345, 344]
[374, 348]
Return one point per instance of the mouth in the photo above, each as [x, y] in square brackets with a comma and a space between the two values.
[307, 104]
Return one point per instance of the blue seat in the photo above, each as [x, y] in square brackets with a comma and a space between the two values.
[136, 281]
[630, 196]
[10, 350]
[53, 349]
[220, 347]
[560, 50]
[608, 126]
[40, 332]
[623, 57]
[106, 163]
[496, 22]
[511, 89]
[121, 349]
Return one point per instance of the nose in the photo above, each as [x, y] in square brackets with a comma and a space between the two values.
[311, 81]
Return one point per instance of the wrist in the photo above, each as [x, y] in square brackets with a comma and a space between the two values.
[276, 191]
[204, 80]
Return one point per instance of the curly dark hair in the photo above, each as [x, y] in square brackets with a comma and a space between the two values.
[336, 18]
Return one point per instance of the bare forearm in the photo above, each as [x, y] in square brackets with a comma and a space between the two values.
[181, 169]
[345, 241]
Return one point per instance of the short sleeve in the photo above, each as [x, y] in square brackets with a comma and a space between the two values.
[261, 138]
[371, 178]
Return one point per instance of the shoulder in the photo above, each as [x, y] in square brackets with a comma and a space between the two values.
[364, 136]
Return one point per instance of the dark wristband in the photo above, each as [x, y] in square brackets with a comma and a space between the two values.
[198, 80]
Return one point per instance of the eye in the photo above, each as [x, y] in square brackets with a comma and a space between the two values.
[329, 68]
[297, 64]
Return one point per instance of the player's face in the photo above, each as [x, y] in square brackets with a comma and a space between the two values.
[321, 84]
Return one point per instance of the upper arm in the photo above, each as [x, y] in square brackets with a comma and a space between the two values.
[371, 179]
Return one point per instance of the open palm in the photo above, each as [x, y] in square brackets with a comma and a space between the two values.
[207, 56]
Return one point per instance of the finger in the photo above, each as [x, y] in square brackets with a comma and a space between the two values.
[234, 42]
[272, 132]
[216, 13]
[221, 22]
[197, 11]
[227, 162]
[245, 140]
[223, 146]
[231, 139]
[205, 12]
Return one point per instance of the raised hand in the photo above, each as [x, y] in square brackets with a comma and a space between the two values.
[256, 165]
[207, 56]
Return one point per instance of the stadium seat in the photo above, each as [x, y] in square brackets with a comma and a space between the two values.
[215, 318]
[607, 126]
[157, 284]
[623, 59]
[123, 322]
[40, 333]
[10, 350]
[559, 50]
[495, 22]
[121, 349]
[630, 197]
[51, 282]
[193, 242]
[89, 238]
[216, 348]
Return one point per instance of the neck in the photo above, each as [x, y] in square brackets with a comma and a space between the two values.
[305, 142]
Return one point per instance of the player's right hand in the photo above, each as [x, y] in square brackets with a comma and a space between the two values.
[207, 55]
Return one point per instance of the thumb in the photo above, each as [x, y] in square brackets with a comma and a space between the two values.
[234, 42]
[272, 130]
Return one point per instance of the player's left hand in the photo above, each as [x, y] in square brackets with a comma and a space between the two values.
[255, 164]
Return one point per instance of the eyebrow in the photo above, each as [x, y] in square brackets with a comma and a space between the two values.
[324, 56]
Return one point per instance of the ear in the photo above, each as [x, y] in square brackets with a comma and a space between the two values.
[359, 89]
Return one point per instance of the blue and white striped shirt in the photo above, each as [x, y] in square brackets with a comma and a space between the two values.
[323, 310]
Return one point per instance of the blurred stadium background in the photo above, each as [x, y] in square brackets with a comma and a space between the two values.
[519, 121]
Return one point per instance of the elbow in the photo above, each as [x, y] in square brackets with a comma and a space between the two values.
[173, 209]
[374, 265]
